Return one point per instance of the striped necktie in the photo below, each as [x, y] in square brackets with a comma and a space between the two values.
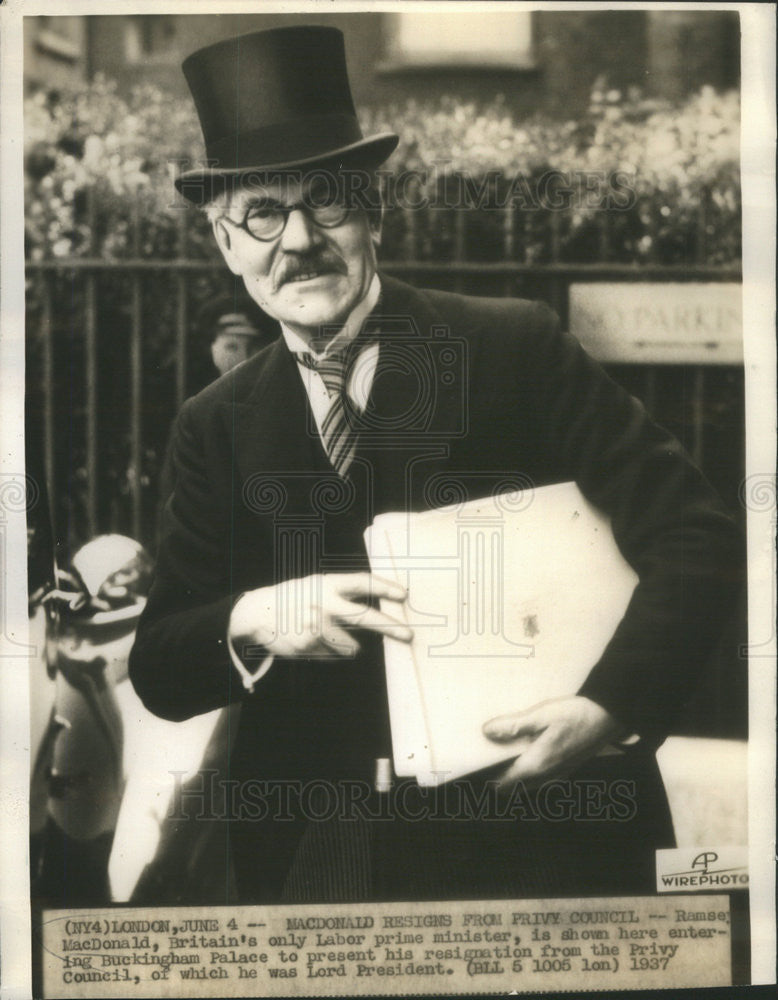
[338, 433]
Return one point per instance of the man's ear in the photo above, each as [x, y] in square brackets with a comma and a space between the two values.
[224, 242]
[376, 221]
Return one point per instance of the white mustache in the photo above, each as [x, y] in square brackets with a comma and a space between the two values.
[294, 268]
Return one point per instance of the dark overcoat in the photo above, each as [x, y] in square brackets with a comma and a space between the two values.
[470, 395]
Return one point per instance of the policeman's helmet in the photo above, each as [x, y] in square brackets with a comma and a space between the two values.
[106, 583]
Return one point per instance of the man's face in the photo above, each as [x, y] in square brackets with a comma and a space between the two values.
[307, 276]
[229, 349]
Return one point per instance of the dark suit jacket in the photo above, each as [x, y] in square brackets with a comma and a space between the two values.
[470, 395]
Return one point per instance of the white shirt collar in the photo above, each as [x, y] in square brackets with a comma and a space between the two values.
[352, 326]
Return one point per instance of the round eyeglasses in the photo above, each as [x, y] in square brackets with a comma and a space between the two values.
[266, 220]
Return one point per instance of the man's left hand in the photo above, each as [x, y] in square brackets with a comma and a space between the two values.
[562, 734]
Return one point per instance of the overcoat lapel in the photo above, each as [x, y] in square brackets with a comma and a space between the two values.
[273, 429]
[291, 509]
[414, 412]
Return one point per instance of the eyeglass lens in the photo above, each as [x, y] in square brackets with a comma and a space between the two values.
[266, 220]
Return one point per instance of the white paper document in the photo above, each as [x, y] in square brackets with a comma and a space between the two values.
[512, 600]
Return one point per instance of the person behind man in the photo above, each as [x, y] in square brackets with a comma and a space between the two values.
[263, 592]
[235, 330]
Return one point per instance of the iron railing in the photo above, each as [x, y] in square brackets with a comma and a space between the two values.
[699, 387]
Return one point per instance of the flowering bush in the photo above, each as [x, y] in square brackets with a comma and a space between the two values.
[661, 181]
[100, 168]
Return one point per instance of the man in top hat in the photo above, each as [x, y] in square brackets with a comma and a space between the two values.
[354, 411]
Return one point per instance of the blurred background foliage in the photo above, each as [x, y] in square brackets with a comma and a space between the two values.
[674, 161]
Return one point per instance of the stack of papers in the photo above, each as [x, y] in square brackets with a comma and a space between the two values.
[512, 600]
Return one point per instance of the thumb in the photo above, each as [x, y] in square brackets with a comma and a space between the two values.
[504, 728]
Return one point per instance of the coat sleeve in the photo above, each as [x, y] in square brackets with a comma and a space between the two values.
[667, 520]
[180, 664]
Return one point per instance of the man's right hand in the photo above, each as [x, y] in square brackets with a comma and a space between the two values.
[313, 616]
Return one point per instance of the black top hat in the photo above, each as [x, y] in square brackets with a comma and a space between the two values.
[275, 100]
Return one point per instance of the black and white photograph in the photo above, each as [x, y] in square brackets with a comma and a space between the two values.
[390, 398]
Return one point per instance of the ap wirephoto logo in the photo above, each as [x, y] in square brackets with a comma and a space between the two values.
[688, 869]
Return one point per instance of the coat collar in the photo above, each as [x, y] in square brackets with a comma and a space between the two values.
[415, 408]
